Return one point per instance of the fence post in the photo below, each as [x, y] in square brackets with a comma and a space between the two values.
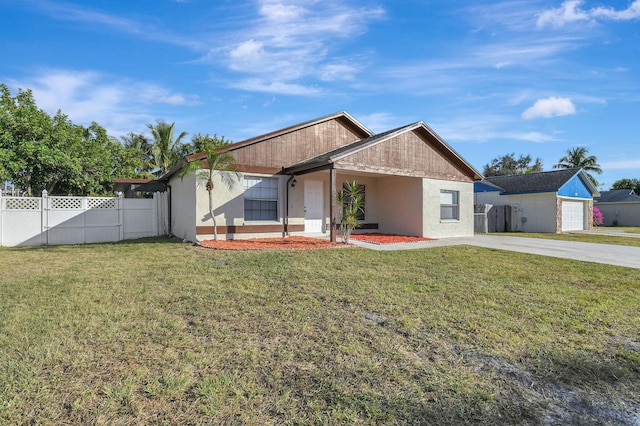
[44, 221]
[155, 214]
[1, 220]
[120, 206]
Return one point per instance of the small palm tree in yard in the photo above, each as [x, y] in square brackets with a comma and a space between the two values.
[352, 200]
[216, 160]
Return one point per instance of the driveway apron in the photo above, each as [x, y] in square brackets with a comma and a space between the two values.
[587, 252]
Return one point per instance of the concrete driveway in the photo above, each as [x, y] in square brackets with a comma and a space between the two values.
[587, 252]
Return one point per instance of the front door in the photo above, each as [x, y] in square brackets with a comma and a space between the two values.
[313, 206]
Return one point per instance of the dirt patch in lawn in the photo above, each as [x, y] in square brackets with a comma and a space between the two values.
[298, 243]
[378, 238]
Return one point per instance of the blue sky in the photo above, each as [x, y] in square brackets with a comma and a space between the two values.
[491, 77]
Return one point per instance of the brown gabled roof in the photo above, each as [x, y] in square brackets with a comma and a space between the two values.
[342, 115]
[338, 115]
[325, 160]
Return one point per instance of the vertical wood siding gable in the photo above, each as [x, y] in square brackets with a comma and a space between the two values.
[407, 154]
[291, 148]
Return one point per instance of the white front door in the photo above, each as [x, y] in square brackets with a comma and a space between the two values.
[313, 206]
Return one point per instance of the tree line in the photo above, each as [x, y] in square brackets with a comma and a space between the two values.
[39, 151]
[578, 157]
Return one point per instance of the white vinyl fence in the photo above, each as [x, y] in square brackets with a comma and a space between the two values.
[53, 220]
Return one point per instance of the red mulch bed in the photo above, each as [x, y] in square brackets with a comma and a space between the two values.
[377, 238]
[304, 243]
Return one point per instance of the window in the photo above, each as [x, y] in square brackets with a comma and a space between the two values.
[449, 205]
[260, 198]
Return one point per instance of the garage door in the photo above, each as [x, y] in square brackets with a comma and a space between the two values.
[572, 216]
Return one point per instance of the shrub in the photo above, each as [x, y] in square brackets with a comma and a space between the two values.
[598, 217]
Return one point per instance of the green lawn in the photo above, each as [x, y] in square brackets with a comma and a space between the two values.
[168, 333]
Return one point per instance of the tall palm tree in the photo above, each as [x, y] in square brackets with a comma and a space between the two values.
[166, 151]
[142, 148]
[578, 158]
[217, 161]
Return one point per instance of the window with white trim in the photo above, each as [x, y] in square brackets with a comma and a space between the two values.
[260, 198]
[449, 208]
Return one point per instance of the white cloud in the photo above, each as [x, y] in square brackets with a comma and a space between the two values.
[621, 165]
[274, 87]
[570, 11]
[121, 106]
[293, 40]
[381, 121]
[550, 107]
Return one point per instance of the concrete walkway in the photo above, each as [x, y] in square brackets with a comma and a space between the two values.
[587, 252]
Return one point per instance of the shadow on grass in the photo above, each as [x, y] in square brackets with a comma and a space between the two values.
[53, 248]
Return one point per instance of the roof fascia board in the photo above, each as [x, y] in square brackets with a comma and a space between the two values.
[408, 128]
[590, 186]
[529, 192]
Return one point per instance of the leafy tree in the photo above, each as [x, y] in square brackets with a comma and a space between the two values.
[37, 149]
[510, 165]
[166, 151]
[578, 158]
[217, 161]
[352, 200]
[199, 141]
[39, 152]
[627, 184]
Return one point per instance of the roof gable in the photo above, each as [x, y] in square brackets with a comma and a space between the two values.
[411, 150]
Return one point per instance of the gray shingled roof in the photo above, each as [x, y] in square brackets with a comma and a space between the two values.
[533, 182]
[618, 196]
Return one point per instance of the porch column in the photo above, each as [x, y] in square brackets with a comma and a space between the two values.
[333, 204]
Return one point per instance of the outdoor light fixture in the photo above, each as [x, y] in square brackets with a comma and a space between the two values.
[293, 182]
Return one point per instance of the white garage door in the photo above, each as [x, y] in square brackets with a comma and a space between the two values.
[572, 216]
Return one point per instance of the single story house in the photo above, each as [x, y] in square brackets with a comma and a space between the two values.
[414, 184]
[556, 201]
[620, 207]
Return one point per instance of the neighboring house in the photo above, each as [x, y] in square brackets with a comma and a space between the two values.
[414, 183]
[555, 201]
[620, 207]
[137, 188]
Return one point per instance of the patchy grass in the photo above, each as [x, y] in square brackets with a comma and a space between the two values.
[578, 237]
[169, 333]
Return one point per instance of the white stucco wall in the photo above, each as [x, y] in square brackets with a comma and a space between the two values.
[183, 198]
[228, 205]
[627, 214]
[401, 208]
[433, 226]
[538, 209]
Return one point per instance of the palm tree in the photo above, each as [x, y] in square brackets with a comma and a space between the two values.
[142, 148]
[352, 200]
[577, 158]
[216, 160]
[166, 151]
